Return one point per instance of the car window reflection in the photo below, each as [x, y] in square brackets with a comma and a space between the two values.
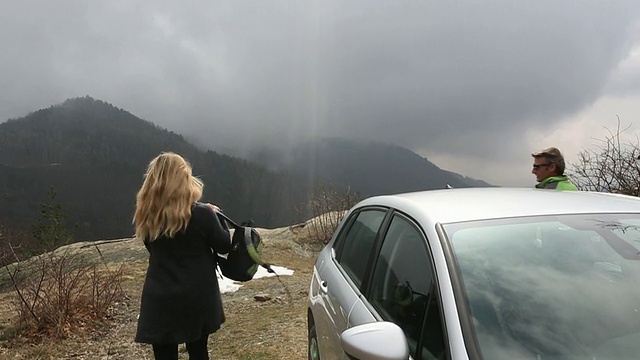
[359, 242]
[543, 287]
[403, 289]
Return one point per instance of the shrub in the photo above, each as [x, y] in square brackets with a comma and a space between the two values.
[51, 230]
[328, 205]
[59, 293]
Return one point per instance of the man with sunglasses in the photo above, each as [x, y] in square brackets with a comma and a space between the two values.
[548, 167]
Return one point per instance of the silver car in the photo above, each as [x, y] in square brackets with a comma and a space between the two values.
[482, 273]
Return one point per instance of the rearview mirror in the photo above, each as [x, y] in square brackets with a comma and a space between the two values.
[375, 341]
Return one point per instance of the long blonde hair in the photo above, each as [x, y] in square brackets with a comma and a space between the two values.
[163, 203]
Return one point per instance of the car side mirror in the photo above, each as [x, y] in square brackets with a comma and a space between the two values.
[375, 341]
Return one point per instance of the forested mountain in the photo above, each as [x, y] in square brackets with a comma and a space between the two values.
[94, 156]
[370, 167]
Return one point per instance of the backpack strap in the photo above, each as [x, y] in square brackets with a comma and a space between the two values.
[228, 220]
[253, 253]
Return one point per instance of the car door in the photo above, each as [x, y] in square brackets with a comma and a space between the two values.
[341, 277]
[403, 290]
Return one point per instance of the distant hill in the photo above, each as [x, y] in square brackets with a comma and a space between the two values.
[94, 156]
[370, 167]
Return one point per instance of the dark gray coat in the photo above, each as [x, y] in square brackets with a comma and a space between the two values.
[181, 299]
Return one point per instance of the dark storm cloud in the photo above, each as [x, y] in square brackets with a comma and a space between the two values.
[435, 76]
[449, 71]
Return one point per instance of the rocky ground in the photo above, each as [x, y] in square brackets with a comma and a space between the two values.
[255, 330]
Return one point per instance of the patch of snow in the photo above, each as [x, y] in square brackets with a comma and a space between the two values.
[230, 286]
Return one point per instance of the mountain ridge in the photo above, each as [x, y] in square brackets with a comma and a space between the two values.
[94, 154]
[371, 167]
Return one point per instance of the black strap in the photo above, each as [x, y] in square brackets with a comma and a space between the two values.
[228, 220]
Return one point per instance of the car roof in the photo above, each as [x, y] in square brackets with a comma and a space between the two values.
[468, 204]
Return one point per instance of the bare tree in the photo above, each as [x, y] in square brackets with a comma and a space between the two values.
[612, 166]
[327, 206]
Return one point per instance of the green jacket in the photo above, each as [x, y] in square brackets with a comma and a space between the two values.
[556, 182]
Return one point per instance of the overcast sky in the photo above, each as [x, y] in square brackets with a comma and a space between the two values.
[475, 86]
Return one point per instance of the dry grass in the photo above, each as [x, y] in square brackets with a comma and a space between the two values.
[274, 329]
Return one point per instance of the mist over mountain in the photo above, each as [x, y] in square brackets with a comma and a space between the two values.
[94, 155]
[370, 167]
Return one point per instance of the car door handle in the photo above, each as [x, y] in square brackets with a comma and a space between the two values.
[323, 286]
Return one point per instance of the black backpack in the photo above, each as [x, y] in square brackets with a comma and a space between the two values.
[243, 260]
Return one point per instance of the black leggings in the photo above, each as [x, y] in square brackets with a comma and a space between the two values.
[197, 350]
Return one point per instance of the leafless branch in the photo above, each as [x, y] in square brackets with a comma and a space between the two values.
[611, 166]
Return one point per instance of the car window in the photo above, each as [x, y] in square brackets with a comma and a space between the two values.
[402, 289]
[562, 287]
[355, 248]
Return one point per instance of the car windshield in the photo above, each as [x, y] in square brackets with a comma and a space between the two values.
[561, 287]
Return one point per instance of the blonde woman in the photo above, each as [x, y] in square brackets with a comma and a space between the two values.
[181, 300]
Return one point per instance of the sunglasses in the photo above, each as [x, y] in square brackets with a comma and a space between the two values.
[537, 166]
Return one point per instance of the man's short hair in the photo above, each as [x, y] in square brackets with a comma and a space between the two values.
[552, 155]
